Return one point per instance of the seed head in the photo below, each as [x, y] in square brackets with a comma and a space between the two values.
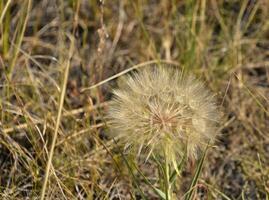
[164, 111]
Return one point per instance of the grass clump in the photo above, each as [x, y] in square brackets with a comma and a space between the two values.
[223, 43]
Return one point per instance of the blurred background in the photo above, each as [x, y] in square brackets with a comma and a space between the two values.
[54, 47]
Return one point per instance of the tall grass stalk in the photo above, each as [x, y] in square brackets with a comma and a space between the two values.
[59, 115]
[5, 20]
[4, 11]
[22, 24]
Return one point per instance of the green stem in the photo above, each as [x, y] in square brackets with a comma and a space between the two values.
[166, 178]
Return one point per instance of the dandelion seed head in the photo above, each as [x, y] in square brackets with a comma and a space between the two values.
[160, 109]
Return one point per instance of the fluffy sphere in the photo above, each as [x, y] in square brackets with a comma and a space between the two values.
[164, 111]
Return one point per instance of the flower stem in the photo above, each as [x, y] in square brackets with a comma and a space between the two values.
[167, 177]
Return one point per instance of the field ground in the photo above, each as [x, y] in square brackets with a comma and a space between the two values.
[54, 49]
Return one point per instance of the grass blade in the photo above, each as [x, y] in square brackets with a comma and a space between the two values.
[132, 174]
[189, 194]
[156, 190]
[179, 168]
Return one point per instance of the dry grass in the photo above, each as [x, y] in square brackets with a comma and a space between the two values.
[225, 43]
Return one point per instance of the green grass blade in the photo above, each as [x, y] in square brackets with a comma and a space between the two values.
[133, 175]
[157, 191]
[189, 194]
[179, 168]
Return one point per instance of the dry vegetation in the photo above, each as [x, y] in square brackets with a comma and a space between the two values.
[50, 49]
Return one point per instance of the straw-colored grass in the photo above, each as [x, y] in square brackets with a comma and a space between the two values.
[59, 61]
